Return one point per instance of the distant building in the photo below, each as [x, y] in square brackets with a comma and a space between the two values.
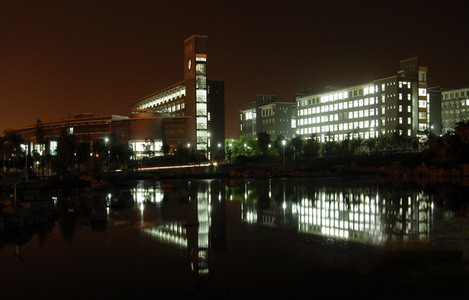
[448, 106]
[268, 115]
[397, 103]
[454, 108]
[197, 98]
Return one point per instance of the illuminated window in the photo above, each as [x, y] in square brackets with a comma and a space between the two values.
[200, 69]
[202, 111]
[201, 123]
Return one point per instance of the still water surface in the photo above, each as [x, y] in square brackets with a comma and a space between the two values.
[242, 239]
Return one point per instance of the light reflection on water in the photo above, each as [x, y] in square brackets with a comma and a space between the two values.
[370, 215]
[194, 217]
[360, 214]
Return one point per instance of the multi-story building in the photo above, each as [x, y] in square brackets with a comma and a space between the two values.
[448, 106]
[270, 116]
[142, 131]
[247, 123]
[190, 112]
[454, 108]
[397, 103]
[197, 98]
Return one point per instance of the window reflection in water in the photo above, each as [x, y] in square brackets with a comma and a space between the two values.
[372, 215]
[367, 215]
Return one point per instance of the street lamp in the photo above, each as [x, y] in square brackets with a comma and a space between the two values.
[284, 142]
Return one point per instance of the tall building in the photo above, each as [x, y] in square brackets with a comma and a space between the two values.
[268, 115]
[190, 112]
[397, 103]
[197, 98]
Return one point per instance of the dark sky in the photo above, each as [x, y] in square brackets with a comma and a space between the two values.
[66, 57]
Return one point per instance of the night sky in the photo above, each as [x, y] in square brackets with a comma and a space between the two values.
[60, 58]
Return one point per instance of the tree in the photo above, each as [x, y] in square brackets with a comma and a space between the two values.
[66, 148]
[83, 150]
[120, 156]
[297, 144]
[148, 148]
[41, 141]
[312, 147]
[165, 148]
[99, 155]
[278, 144]
[263, 141]
[12, 147]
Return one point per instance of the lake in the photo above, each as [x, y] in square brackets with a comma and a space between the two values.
[296, 238]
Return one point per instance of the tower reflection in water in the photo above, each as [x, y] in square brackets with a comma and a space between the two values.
[193, 218]
[362, 214]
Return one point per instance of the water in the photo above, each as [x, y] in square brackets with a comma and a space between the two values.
[244, 239]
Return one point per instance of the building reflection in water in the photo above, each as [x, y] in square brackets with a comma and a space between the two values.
[362, 214]
[187, 221]
[192, 214]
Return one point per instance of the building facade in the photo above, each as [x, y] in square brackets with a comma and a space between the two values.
[383, 106]
[196, 97]
[143, 132]
[454, 108]
[268, 115]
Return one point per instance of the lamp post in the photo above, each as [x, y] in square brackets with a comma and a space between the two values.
[284, 142]
[106, 141]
